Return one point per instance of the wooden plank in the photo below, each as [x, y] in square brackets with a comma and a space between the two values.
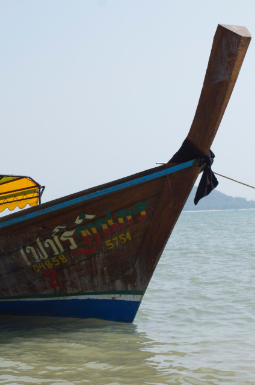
[229, 48]
[228, 51]
[89, 281]
[30, 230]
[13, 259]
[84, 193]
[104, 257]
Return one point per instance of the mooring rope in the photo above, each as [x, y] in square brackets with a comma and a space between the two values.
[234, 180]
[223, 176]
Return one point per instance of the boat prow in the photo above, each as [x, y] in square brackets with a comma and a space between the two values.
[92, 254]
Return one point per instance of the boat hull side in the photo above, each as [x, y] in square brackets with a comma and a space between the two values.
[118, 308]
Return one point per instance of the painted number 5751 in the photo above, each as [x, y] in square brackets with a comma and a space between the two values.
[111, 243]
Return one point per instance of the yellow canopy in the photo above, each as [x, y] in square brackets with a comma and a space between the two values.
[18, 191]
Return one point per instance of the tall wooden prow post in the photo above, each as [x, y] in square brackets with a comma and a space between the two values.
[228, 50]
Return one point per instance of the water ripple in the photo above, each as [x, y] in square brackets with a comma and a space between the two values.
[195, 325]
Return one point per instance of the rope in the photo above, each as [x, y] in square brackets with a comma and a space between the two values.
[234, 180]
[222, 177]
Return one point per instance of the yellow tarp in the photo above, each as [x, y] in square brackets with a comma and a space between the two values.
[16, 191]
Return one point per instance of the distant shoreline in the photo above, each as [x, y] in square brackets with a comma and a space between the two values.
[217, 201]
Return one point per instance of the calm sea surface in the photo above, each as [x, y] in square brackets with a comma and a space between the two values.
[196, 324]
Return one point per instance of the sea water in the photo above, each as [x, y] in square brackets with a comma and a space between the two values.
[196, 324]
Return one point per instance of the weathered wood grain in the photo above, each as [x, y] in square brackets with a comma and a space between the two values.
[7, 260]
[228, 51]
[128, 266]
[81, 264]
[128, 193]
[21, 235]
[229, 48]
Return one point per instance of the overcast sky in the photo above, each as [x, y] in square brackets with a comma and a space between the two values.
[92, 91]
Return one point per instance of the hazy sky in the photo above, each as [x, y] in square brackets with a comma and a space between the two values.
[92, 91]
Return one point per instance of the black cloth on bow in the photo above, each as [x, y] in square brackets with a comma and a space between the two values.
[208, 181]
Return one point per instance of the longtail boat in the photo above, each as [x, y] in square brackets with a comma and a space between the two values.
[92, 254]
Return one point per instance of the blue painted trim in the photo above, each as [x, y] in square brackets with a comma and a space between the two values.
[111, 310]
[56, 295]
[99, 193]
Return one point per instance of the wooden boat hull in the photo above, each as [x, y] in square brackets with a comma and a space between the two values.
[81, 257]
[92, 254]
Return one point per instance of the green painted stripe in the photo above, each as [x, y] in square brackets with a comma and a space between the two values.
[8, 179]
[132, 292]
[18, 194]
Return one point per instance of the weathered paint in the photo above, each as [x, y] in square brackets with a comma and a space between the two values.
[45, 266]
[99, 193]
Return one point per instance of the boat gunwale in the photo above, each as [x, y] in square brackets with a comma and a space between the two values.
[13, 219]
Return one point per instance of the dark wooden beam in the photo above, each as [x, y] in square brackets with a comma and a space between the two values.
[229, 48]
